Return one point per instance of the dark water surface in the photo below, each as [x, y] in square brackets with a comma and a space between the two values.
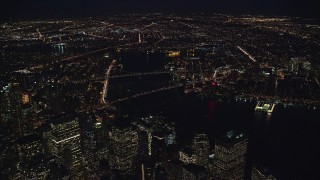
[288, 140]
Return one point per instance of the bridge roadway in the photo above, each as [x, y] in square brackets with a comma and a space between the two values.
[139, 74]
[115, 77]
[152, 92]
[146, 93]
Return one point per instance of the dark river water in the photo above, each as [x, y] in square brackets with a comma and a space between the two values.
[288, 141]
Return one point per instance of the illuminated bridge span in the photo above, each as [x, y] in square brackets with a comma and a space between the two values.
[146, 93]
[109, 76]
[139, 74]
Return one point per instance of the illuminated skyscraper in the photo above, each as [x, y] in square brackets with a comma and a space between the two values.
[187, 156]
[89, 147]
[201, 149]
[29, 146]
[124, 148]
[154, 134]
[64, 142]
[229, 156]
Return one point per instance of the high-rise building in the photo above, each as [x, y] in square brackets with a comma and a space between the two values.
[147, 170]
[201, 149]
[143, 145]
[5, 105]
[29, 146]
[16, 111]
[103, 152]
[24, 78]
[187, 156]
[298, 65]
[64, 142]
[229, 156]
[158, 146]
[174, 169]
[151, 171]
[11, 109]
[124, 148]
[194, 172]
[154, 133]
[8, 154]
[170, 139]
[89, 147]
[160, 173]
[39, 167]
[100, 131]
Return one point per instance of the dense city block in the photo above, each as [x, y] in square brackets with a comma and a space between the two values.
[160, 96]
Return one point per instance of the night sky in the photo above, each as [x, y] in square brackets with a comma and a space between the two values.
[51, 8]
